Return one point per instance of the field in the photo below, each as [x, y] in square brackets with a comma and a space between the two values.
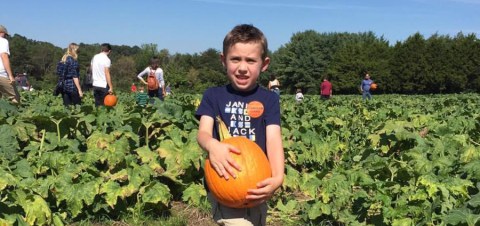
[394, 160]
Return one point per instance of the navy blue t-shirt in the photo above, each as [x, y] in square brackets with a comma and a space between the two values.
[246, 114]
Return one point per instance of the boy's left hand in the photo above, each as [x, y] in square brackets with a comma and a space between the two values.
[264, 191]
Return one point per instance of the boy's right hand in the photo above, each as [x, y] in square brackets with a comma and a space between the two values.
[222, 161]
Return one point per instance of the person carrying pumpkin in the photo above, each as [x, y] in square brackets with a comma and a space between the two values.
[248, 110]
[102, 80]
[365, 87]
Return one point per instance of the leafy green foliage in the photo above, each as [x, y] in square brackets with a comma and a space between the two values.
[393, 160]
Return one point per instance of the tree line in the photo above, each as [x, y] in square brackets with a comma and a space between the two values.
[418, 65]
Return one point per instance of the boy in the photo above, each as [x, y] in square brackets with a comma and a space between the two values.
[244, 56]
[141, 97]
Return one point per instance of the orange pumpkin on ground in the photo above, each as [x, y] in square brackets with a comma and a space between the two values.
[373, 86]
[110, 100]
[255, 168]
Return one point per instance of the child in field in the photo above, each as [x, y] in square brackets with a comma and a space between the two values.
[244, 56]
[299, 95]
[141, 97]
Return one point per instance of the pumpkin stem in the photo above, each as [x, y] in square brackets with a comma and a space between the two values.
[223, 130]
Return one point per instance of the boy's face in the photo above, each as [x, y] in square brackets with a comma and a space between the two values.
[244, 64]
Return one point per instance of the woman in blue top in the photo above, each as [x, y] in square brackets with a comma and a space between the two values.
[69, 71]
[365, 87]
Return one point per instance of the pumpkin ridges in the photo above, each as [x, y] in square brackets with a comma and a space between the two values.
[232, 193]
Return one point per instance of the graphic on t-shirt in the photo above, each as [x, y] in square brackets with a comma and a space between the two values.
[240, 121]
[255, 109]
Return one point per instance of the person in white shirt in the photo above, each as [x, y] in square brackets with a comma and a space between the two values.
[7, 81]
[299, 95]
[102, 81]
[154, 68]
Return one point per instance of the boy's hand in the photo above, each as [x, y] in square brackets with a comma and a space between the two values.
[264, 191]
[222, 161]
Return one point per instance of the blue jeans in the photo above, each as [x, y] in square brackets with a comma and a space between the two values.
[99, 94]
[155, 93]
[366, 94]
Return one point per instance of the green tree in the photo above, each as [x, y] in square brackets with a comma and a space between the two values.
[359, 53]
[409, 66]
[465, 64]
[301, 62]
[123, 73]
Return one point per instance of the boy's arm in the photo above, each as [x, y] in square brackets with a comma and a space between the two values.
[204, 137]
[218, 153]
[267, 187]
[275, 154]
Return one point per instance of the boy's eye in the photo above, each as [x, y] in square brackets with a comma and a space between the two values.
[235, 60]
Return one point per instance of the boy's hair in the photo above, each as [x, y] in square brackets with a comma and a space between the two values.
[106, 47]
[245, 33]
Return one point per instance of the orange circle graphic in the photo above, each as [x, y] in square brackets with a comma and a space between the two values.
[255, 109]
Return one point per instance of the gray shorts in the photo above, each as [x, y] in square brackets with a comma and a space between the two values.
[255, 216]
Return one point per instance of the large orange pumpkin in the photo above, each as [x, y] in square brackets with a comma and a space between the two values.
[373, 86]
[110, 100]
[255, 168]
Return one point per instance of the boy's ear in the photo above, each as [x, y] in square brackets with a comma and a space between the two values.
[265, 64]
[222, 58]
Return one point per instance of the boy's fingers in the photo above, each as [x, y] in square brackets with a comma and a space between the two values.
[234, 164]
[221, 171]
[231, 172]
[234, 149]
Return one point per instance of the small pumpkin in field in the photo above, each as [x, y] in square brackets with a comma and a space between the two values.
[255, 168]
[373, 86]
[110, 100]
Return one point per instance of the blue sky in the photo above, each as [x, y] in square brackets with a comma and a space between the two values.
[193, 26]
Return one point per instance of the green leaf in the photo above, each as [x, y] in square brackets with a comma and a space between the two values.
[112, 191]
[403, 222]
[194, 193]
[290, 208]
[37, 211]
[317, 209]
[460, 216]
[155, 193]
[9, 145]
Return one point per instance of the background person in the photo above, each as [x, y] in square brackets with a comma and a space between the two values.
[141, 97]
[22, 82]
[326, 89]
[274, 84]
[133, 88]
[102, 81]
[365, 87]
[7, 81]
[244, 56]
[158, 72]
[88, 80]
[72, 92]
[299, 95]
